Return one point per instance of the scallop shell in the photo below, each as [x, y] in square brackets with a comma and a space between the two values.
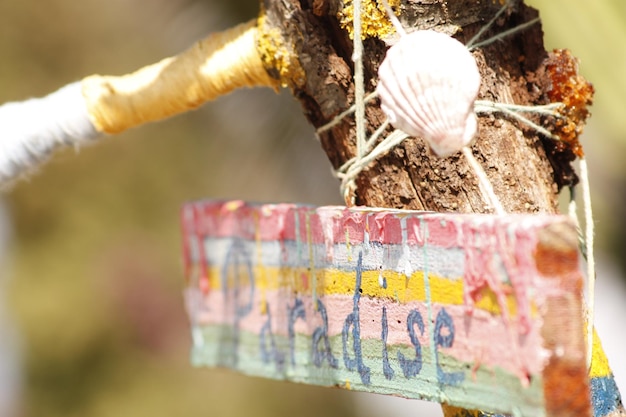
[427, 85]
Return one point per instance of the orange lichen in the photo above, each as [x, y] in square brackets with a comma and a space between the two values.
[571, 89]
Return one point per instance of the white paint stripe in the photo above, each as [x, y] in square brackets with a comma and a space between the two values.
[444, 262]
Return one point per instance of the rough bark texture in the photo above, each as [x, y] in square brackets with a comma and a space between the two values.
[521, 166]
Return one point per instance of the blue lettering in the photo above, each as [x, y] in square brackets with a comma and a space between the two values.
[272, 354]
[444, 321]
[412, 367]
[238, 267]
[352, 321]
[387, 369]
[321, 333]
[294, 313]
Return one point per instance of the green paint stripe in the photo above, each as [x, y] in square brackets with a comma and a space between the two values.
[489, 389]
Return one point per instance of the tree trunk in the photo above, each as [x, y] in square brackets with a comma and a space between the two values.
[526, 171]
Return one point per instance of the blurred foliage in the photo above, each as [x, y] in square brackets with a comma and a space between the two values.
[97, 280]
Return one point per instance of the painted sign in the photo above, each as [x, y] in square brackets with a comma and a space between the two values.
[480, 312]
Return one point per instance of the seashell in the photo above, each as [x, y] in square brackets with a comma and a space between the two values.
[427, 85]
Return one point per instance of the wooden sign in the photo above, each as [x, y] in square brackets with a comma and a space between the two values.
[480, 312]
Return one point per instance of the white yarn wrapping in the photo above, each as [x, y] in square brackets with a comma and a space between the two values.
[31, 130]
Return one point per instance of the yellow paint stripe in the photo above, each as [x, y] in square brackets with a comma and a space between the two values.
[599, 362]
[443, 291]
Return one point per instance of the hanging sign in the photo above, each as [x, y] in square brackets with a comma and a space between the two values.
[476, 311]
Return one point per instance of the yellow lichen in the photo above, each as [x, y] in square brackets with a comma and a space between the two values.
[278, 57]
[374, 19]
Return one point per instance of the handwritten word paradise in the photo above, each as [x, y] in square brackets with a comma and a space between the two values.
[441, 307]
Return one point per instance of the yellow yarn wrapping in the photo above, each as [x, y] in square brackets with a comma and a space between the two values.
[213, 67]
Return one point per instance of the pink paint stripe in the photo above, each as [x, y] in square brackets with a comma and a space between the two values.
[322, 225]
[520, 355]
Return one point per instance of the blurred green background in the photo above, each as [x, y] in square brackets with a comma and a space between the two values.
[94, 260]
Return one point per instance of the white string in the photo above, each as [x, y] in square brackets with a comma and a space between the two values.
[390, 142]
[359, 88]
[483, 182]
[587, 243]
[515, 110]
[485, 28]
[34, 128]
[591, 263]
[352, 168]
[571, 207]
[550, 109]
[339, 118]
[394, 19]
[368, 147]
[504, 34]
[367, 153]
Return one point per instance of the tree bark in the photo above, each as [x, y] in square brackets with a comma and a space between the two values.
[526, 171]
[310, 51]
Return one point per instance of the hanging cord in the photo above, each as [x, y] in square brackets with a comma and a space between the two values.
[586, 241]
[474, 44]
[483, 181]
[79, 113]
[352, 168]
[587, 238]
[471, 44]
[589, 253]
[394, 19]
[349, 171]
[516, 111]
[359, 89]
[367, 153]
